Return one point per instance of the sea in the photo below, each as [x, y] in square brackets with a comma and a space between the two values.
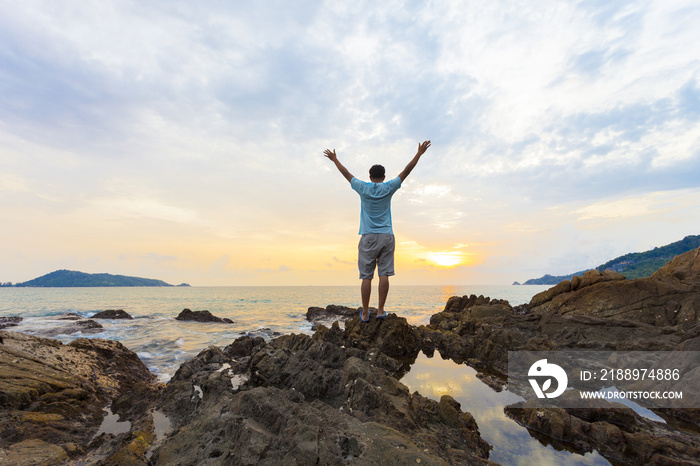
[164, 343]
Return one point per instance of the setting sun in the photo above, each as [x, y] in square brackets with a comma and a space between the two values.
[445, 259]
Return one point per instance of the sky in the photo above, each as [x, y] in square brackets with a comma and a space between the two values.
[184, 141]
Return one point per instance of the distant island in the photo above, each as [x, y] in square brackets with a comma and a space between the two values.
[70, 278]
[633, 265]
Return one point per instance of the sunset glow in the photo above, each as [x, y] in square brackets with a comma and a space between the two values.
[445, 259]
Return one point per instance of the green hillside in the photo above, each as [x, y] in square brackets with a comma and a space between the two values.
[69, 278]
[632, 265]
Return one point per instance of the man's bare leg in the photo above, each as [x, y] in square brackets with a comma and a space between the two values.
[366, 291]
[383, 293]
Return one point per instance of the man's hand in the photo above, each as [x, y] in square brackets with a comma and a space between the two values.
[330, 155]
[334, 158]
[423, 147]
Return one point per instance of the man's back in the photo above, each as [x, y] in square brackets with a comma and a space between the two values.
[375, 209]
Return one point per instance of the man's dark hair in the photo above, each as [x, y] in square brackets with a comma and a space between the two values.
[376, 172]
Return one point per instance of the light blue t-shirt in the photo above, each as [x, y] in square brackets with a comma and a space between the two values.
[375, 210]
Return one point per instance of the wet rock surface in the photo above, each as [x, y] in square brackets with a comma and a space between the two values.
[11, 321]
[52, 396]
[201, 316]
[73, 324]
[326, 399]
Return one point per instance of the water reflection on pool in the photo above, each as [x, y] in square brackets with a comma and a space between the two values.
[512, 444]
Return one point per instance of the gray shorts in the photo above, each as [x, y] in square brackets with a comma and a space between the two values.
[376, 249]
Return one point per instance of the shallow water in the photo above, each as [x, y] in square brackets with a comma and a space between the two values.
[513, 445]
[112, 425]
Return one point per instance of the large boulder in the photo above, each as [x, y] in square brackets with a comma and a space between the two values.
[201, 316]
[331, 311]
[392, 336]
[670, 296]
[112, 314]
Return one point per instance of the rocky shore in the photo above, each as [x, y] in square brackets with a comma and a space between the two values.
[336, 397]
[53, 399]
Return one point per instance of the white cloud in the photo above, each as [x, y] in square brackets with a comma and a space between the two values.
[136, 207]
[650, 204]
[11, 182]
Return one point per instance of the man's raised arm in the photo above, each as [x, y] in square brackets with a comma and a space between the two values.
[334, 158]
[412, 164]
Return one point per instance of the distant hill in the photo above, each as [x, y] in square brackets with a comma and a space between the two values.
[632, 265]
[69, 278]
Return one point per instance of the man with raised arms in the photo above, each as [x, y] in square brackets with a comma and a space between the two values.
[376, 248]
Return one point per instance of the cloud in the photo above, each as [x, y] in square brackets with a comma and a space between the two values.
[10, 182]
[140, 207]
[339, 261]
[159, 258]
[650, 204]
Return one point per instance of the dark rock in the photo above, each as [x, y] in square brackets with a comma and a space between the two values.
[478, 306]
[392, 336]
[201, 316]
[89, 326]
[11, 321]
[112, 314]
[670, 296]
[333, 312]
[243, 346]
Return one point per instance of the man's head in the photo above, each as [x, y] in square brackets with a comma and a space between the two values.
[377, 173]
